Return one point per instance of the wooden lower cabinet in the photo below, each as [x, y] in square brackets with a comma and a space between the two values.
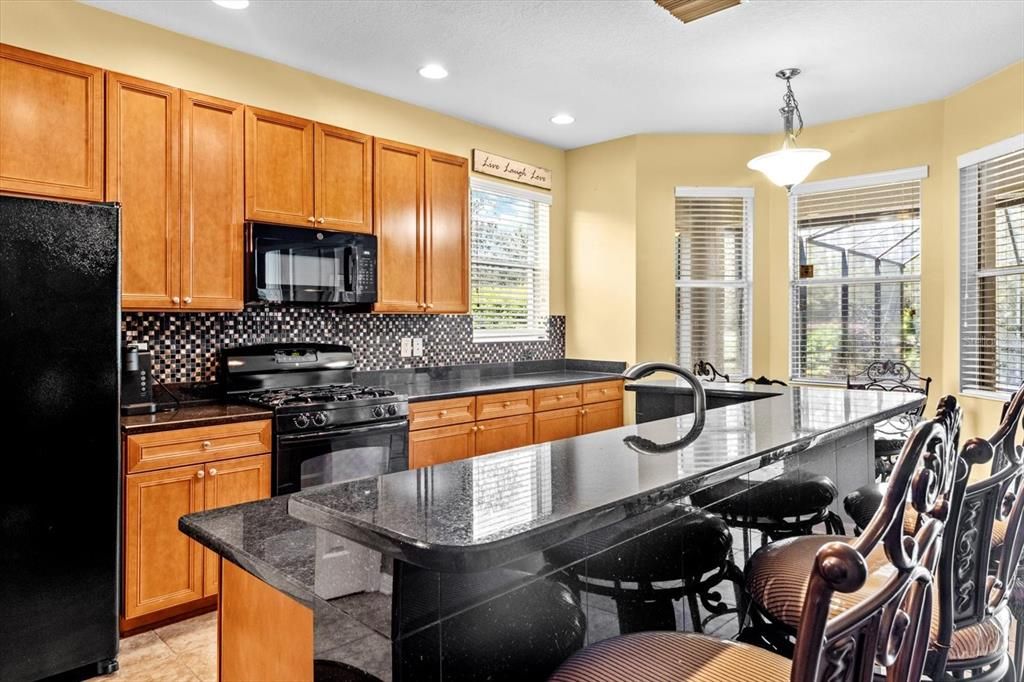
[601, 416]
[228, 482]
[556, 424]
[444, 444]
[163, 568]
[495, 435]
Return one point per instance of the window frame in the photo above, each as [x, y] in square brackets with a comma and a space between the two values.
[506, 335]
[747, 283]
[976, 157]
[862, 181]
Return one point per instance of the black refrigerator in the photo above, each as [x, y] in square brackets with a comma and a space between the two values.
[59, 504]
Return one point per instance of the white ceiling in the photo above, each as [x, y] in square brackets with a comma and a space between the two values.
[620, 66]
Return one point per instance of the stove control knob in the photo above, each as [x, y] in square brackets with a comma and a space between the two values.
[301, 421]
[320, 419]
[378, 411]
[392, 410]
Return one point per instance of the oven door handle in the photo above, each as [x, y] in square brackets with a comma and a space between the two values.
[295, 437]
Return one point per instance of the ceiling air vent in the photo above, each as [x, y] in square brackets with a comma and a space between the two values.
[691, 10]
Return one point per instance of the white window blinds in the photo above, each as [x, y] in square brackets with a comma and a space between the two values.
[856, 275]
[713, 277]
[992, 270]
[509, 269]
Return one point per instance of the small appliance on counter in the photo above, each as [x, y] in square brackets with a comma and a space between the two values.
[302, 265]
[136, 381]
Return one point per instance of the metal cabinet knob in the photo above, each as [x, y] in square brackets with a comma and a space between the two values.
[506, 404]
[213, 472]
[560, 397]
[206, 445]
[442, 413]
[188, 299]
[429, 305]
[311, 219]
[175, 299]
[200, 473]
[479, 428]
[321, 219]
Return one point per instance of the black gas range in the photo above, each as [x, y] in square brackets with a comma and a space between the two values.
[326, 428]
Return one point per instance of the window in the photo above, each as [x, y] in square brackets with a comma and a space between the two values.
[713, 245]
[509, 269]
[856, 274]
[992, 268]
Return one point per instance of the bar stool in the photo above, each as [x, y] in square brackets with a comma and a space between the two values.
[686, 555]
[891, 376]
[828, 644]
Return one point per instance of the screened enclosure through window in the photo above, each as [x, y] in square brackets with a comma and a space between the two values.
[714, 234]
[509, 262]
[856, 274]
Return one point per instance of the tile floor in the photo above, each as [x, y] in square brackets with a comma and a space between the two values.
[181, 652]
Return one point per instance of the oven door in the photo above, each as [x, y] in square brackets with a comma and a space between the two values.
[305, 460]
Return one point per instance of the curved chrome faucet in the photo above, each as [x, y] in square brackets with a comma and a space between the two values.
[700, 398]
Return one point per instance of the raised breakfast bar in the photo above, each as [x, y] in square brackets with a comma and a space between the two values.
[500, 566]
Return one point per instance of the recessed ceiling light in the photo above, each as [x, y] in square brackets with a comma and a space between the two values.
[434, 72]
[232, 4]
[563, 119]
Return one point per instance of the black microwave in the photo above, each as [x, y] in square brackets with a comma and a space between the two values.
[308, 266]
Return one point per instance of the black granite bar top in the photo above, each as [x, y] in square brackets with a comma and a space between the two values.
[473, 514]
[726, 389]
[192, 414]
[433, 383]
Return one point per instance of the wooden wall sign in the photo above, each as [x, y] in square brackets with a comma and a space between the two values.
[517, 171]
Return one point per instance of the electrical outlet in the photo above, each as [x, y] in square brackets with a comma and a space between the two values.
[141, 346]
[417, 346]
[406, 347]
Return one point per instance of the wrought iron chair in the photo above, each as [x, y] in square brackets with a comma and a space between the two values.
[896, 376]
[707, 372]
[764, 381]
[888, 629]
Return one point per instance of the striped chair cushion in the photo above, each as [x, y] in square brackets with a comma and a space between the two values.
[672, 657]
[777, 576]
[998, 533]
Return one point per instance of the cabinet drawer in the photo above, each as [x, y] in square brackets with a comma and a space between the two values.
[150, 451]
[504, 404]
[601, 391]
[435, 413]
[495, 435]
[557, 397]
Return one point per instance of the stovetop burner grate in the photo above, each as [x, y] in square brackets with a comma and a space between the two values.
[312, 395]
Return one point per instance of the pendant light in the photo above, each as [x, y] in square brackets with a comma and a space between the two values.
[790, 165]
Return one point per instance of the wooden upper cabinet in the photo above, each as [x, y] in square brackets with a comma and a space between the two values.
[143, 173]
[278, 168]
[212, 167]
[343, 166]
[51, 126]
[398, 224]
[447, 233]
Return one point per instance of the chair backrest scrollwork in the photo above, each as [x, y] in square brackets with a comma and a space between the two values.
[706, 371]
[764, 381]
[889, 627]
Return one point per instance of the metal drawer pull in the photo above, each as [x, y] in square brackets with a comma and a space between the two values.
[506, 404]
[213, 472]
[207, 444]
[442, 413]
[200, 473]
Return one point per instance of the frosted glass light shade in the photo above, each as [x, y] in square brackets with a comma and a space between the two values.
[789, 166]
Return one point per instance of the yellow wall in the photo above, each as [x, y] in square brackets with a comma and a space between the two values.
[931, 134]
[86, 34]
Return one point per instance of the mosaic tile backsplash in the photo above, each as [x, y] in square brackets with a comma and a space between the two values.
[185, 346]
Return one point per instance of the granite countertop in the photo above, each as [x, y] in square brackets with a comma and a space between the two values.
[481, 512]
[720, 388]
[189, 415]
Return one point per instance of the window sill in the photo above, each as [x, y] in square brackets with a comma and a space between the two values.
[511, 339]
[986, 395]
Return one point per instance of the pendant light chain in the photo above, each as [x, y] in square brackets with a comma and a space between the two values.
[790, 108]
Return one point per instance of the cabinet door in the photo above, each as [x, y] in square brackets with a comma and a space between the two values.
[232, 481]
[144, 174]
[278, 168]
[344, 179]
[212, 195]
[163, 567]
[398, 224]
[446, 251]
[446, 444]
[601, 416]
[51, 126]
[495, 435]
[556, 424]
